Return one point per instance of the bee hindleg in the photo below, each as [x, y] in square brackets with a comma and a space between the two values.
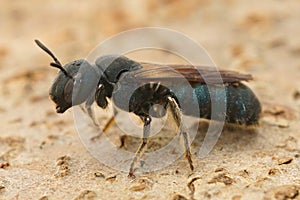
[142, 147]
[177, 115]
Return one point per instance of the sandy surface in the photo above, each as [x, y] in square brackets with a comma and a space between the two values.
[41, 155]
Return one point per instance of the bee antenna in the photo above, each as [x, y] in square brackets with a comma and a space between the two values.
[52, 64]
[56, 62]
[42, 46]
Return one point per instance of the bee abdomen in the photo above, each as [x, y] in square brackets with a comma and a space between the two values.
[236, 104]
[243, 107]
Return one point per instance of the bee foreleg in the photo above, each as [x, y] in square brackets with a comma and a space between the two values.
[141, 149]
[177, 115]
[91, 114]
[87, 110]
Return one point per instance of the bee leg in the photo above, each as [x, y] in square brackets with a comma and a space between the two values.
[177, 115]
[88, 110]
[122, 141]
[108, 124]
[140, 151]
[91, 115]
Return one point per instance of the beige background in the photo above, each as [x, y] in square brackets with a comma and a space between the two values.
[41, 155]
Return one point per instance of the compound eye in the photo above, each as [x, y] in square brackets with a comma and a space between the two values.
[68, 91]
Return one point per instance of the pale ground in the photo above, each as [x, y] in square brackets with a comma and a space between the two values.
[41, 155]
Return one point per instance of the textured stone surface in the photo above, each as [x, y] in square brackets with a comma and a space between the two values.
[41, 156]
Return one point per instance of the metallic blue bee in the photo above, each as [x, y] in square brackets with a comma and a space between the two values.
[98, 84]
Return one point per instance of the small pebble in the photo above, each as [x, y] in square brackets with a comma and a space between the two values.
[282, 161]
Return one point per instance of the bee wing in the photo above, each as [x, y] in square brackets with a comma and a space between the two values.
[152, 72]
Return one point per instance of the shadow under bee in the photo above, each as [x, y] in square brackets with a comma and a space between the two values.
[231, 136]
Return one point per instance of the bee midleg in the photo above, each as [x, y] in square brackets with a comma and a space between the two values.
[109, 123]
[177, 115]
[142, 147]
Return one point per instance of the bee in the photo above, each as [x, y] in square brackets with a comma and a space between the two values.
[112, 76]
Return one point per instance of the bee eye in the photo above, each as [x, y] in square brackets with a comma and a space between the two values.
[68, 91]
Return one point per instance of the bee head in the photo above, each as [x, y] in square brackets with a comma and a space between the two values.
[73, 84]
[61, 90]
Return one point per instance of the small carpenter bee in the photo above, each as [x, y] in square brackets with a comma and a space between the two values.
[114, 75]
